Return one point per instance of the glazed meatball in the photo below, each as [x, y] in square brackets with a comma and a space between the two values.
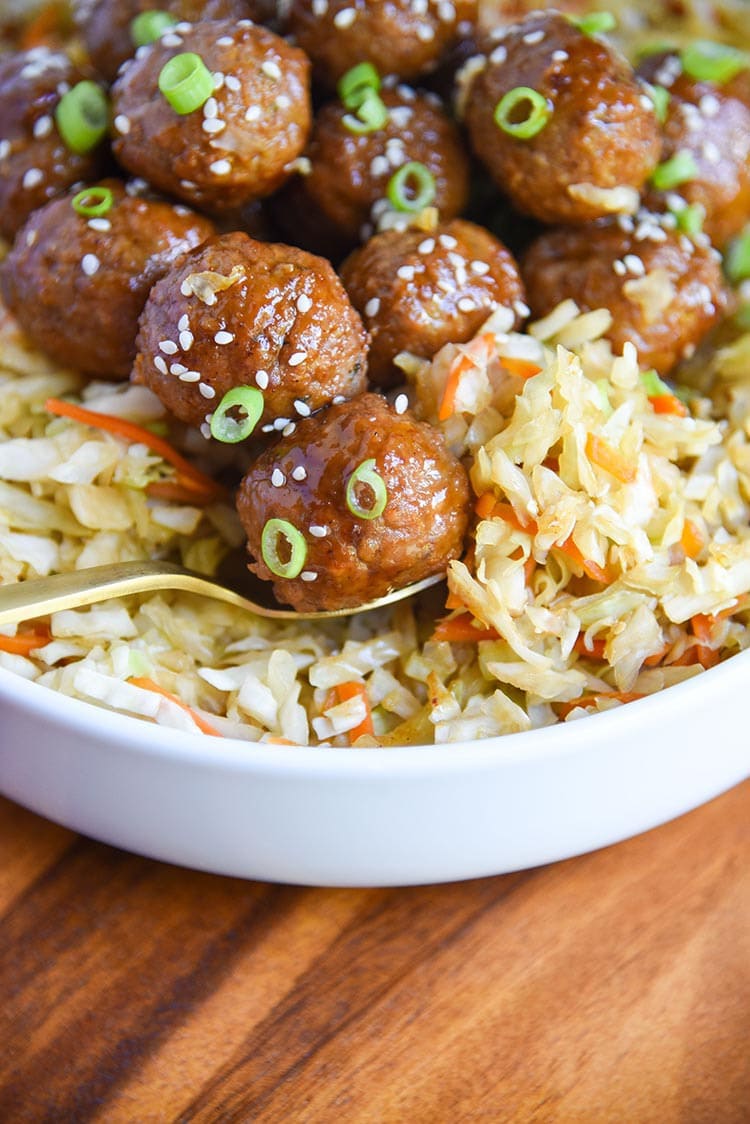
[706, 157]
[418, 291]
[663, 289]
[35, 163]
[240, 143]
[77, 282]
[349, 172]
[106, 30]
[370, 500]
[396, 36]
[589, 136]
[243, 313]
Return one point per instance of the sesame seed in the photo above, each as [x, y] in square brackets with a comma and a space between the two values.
[283, 102]
[446, 12]
[344, 18]
[521, 309]
[252, 113]
[211, 108]
[205, 429]
[220, 167]
[4, 149]
[223, 338]
[427, 246]
[302, 408]
[43, 126]
[32, 178]
[160, 364]
[213, 125]
[534, 37]
[169, 347]
[288, 429]
[319, 7]
[634, 265]
[709, 105]
[619, 267]
[317, 531]
[401, 404]
[308, 576]
[206, 390]
[299, 473]
[278, 479]
[171, 40]
[233, 83]
[90, 264]
[380, 165]
[185, 288]
[177, 369]
[425, 33]
[337, 400]
[466, 304]
[479, 267]
[405, 272]
[560, 56]
[186, 340]
[31, 237]
[225, 41]
[372, 308]
[499, 55]
[102, 225]
[281, 423]
[304, 304]
[190, 376]
[271, 69]
[183, 324]
[122, 124]
[711, 153]
[218, 78]
[297, 358]
[447, 241]
[261, 379]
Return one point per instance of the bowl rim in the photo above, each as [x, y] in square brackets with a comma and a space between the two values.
[524, 747]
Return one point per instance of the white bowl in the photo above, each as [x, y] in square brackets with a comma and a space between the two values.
[374, 816]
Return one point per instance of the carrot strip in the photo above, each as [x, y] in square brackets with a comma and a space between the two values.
[591, 568]
[692, 539]
[477, 352]
[25, 642]
[461, 630]
[279, 741]
[136, 433]
[587, 701]
[499, 509]
[668, 404]
[524, 368]
[607, 457]
[352, 690]
[593, 650]
[150, 685]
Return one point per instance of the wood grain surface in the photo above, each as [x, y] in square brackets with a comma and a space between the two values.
[614, 987]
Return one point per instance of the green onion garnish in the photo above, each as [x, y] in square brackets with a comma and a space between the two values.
[275, 532]
[653, 385]
[522, 112]
[82, 116]
[186, 82]
[149, 26]
[371, 114]
[353, 86]
[224, 427]
[596, 23]
[411, 187]
[660, 96]
[737, 257]
[713, 62]
[680, 168]
[689, 219]
[92, 202]
[368, 476]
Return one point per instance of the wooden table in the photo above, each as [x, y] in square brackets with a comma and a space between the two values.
[610, 988]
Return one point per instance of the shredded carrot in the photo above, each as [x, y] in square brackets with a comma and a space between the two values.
[610, 459]
[590, 568]
[487, 507]
[343, 691]
[668, 404]
[46, 28]
[524, 368]
[189, 476]
[586, 701]
[656, 657]
[529, 567]
[200, 721]
[25, 642]
[461, 630]
[478, 351]
[692, 539]
[279, 741]
[593, 649]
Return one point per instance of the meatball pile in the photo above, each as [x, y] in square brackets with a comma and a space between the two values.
[256, 210]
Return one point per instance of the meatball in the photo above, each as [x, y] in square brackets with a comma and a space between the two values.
[706, 157]
[578, 137]
[370, 500]
[243, 313]
[77, 282]
[105, 24]
[242, 140]
[417, 292]
[396, 36]
[664, 290]
[35, 163]
[349, 172]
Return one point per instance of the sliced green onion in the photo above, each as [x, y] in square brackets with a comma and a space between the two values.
[522, 112]
[368, 476]
[186, 82]
[713, 62]
[229, 429]
[353, 86]
[689, 219]
[411, 187]
[149, 26]
[596, 23]
[371, 115]
[277, 530]
[82, 116]
[660, 96]
[653, 385]
[737, 258]
[680, 168]
[92, 202]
